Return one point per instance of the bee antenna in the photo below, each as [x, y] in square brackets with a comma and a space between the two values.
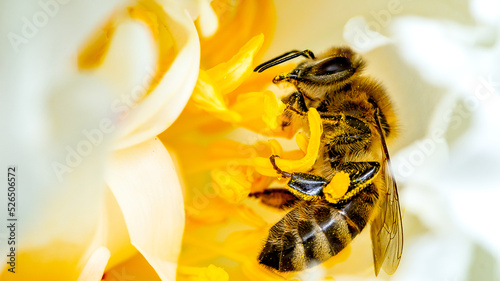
[284, 57]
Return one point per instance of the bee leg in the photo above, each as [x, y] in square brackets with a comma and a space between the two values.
[361, 174]
[278, 198]
[295, 105]
[356, 130]
[307, 186]
[298, 98]
[310, 187]
[303, 185]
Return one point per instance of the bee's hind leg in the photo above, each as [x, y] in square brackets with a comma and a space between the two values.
[361, 175]
[310, 187]
[303, 185]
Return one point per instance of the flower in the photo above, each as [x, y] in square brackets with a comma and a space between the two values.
[98, 186]
[105, 173]
[141, 65]
[219, 175]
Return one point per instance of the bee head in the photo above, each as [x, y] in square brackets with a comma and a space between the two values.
[336, 67]
[332, 69]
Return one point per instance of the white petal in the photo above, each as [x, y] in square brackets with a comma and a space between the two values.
[111, 232]
[475, 220]
[360, 37]
[49, 105]
[146, 186]
[208, 20]
[129, 65]
[486, 10]
[162, 106]
[94, 268]
[436, 257]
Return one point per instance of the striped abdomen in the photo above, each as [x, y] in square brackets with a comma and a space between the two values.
[314, 231]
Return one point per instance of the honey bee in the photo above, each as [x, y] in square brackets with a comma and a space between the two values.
[357, 118]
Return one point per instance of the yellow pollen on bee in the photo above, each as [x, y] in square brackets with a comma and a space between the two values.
[280, 77]
[337, 187]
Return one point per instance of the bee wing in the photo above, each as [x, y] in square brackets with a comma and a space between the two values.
[386, 227]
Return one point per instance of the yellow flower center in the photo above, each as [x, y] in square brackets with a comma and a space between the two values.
[225, 136]
[210, 273]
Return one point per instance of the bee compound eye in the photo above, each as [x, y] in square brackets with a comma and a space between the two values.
[337, 64]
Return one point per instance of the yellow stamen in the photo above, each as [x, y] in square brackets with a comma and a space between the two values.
[238, 21]
[231, 184]
[302, 141]
[215, 248]
[273, 107]
[206, 96]
[337, 187]
[250, 217]
[263, 165]
[276, 147]
[202, 211]
[259, 110]
[229, 75]
[214, 85]
[210, 273]
[254, 271]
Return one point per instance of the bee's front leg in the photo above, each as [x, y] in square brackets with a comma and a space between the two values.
[296, 97]
[295, 106]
